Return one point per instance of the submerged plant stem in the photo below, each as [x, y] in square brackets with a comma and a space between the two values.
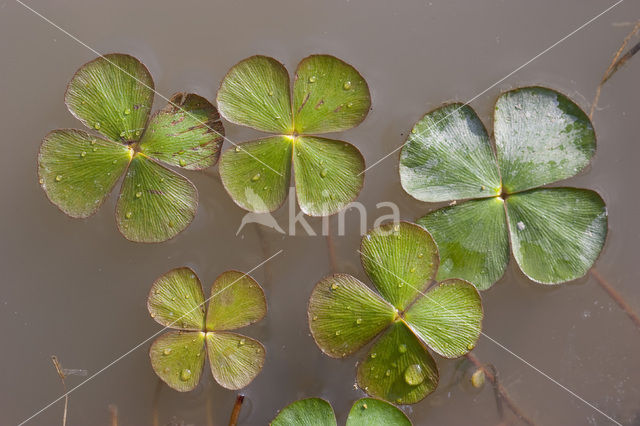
[616, 63]
[235, 413]
[501, 392]
[155, 418]
[333, 262]
[616, 297]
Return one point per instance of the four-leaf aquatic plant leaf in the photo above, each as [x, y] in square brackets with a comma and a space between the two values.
[176, 301]
[318, 412]
[401, 259]
[113, 95]
[541, 137]
[329, 95]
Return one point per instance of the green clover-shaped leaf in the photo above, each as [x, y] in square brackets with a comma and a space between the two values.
[401, 260]
[541, 137]
[113, 95]
[176, 301]
[328, 96]
[318, 412]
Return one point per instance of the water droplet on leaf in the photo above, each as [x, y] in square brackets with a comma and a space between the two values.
[402, 348]
[138, 194]
[255, 177]
[96, 126]
[185, 374]
[324, 172]
[413, 375]
[346, 85]
[167, 351]
[182, 162]
[58, 178]
[312, 79]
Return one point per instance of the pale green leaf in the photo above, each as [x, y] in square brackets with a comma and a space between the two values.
[398, 368]
[186, 133]
[176, 300]
[448, 318]
[77, 170]
[328, 174]
[155, 203]
[235, 359]
[374, 412]
[401, 259]
[177, 357]
[256, 93]
[344, 315]
[541, 137]
[448, 156]
[556, 233]
[257, 174]
[473, 240]
[306, 412]
[113, 95]
[236, 300]
[329, 95]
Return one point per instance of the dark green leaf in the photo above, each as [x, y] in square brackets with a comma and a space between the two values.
[448, 156]
[473, 240]
[344, 315]
[329, 95]
[256, 93]
[541, 137]
[113, 95]
[448, 317]
[328, 174]
[257, 174]
[306, 412]
[398, 368]
[186, 133]
[556, 233]
[374, 412]
[155, 203]
[78, 171]
[401, 259]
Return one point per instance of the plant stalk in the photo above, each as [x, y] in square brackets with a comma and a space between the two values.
[235, 413]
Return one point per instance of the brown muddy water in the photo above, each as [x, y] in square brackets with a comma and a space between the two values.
[77, 289]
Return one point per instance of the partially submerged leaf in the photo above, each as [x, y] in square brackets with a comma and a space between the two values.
[448, 318]
[329, 95]
[556, 233]
[187, 133]
[177, 357]
[328, 174]
[113, 95]
[472, 239]
[78, 171]
[448, 156]
[306, 412]
[257, 174]
[176, 300]
[374, 412]
[236, 301]
[541, 137]
[155, 204]
[401, 259]
[256, 93]
[235, 359]
[344, 315]
[398, 368]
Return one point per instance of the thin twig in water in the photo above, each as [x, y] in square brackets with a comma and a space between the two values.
[616, 297]
[113, 409]
[616, 63]
[235, 413]
[501, 392]
[58, 367]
